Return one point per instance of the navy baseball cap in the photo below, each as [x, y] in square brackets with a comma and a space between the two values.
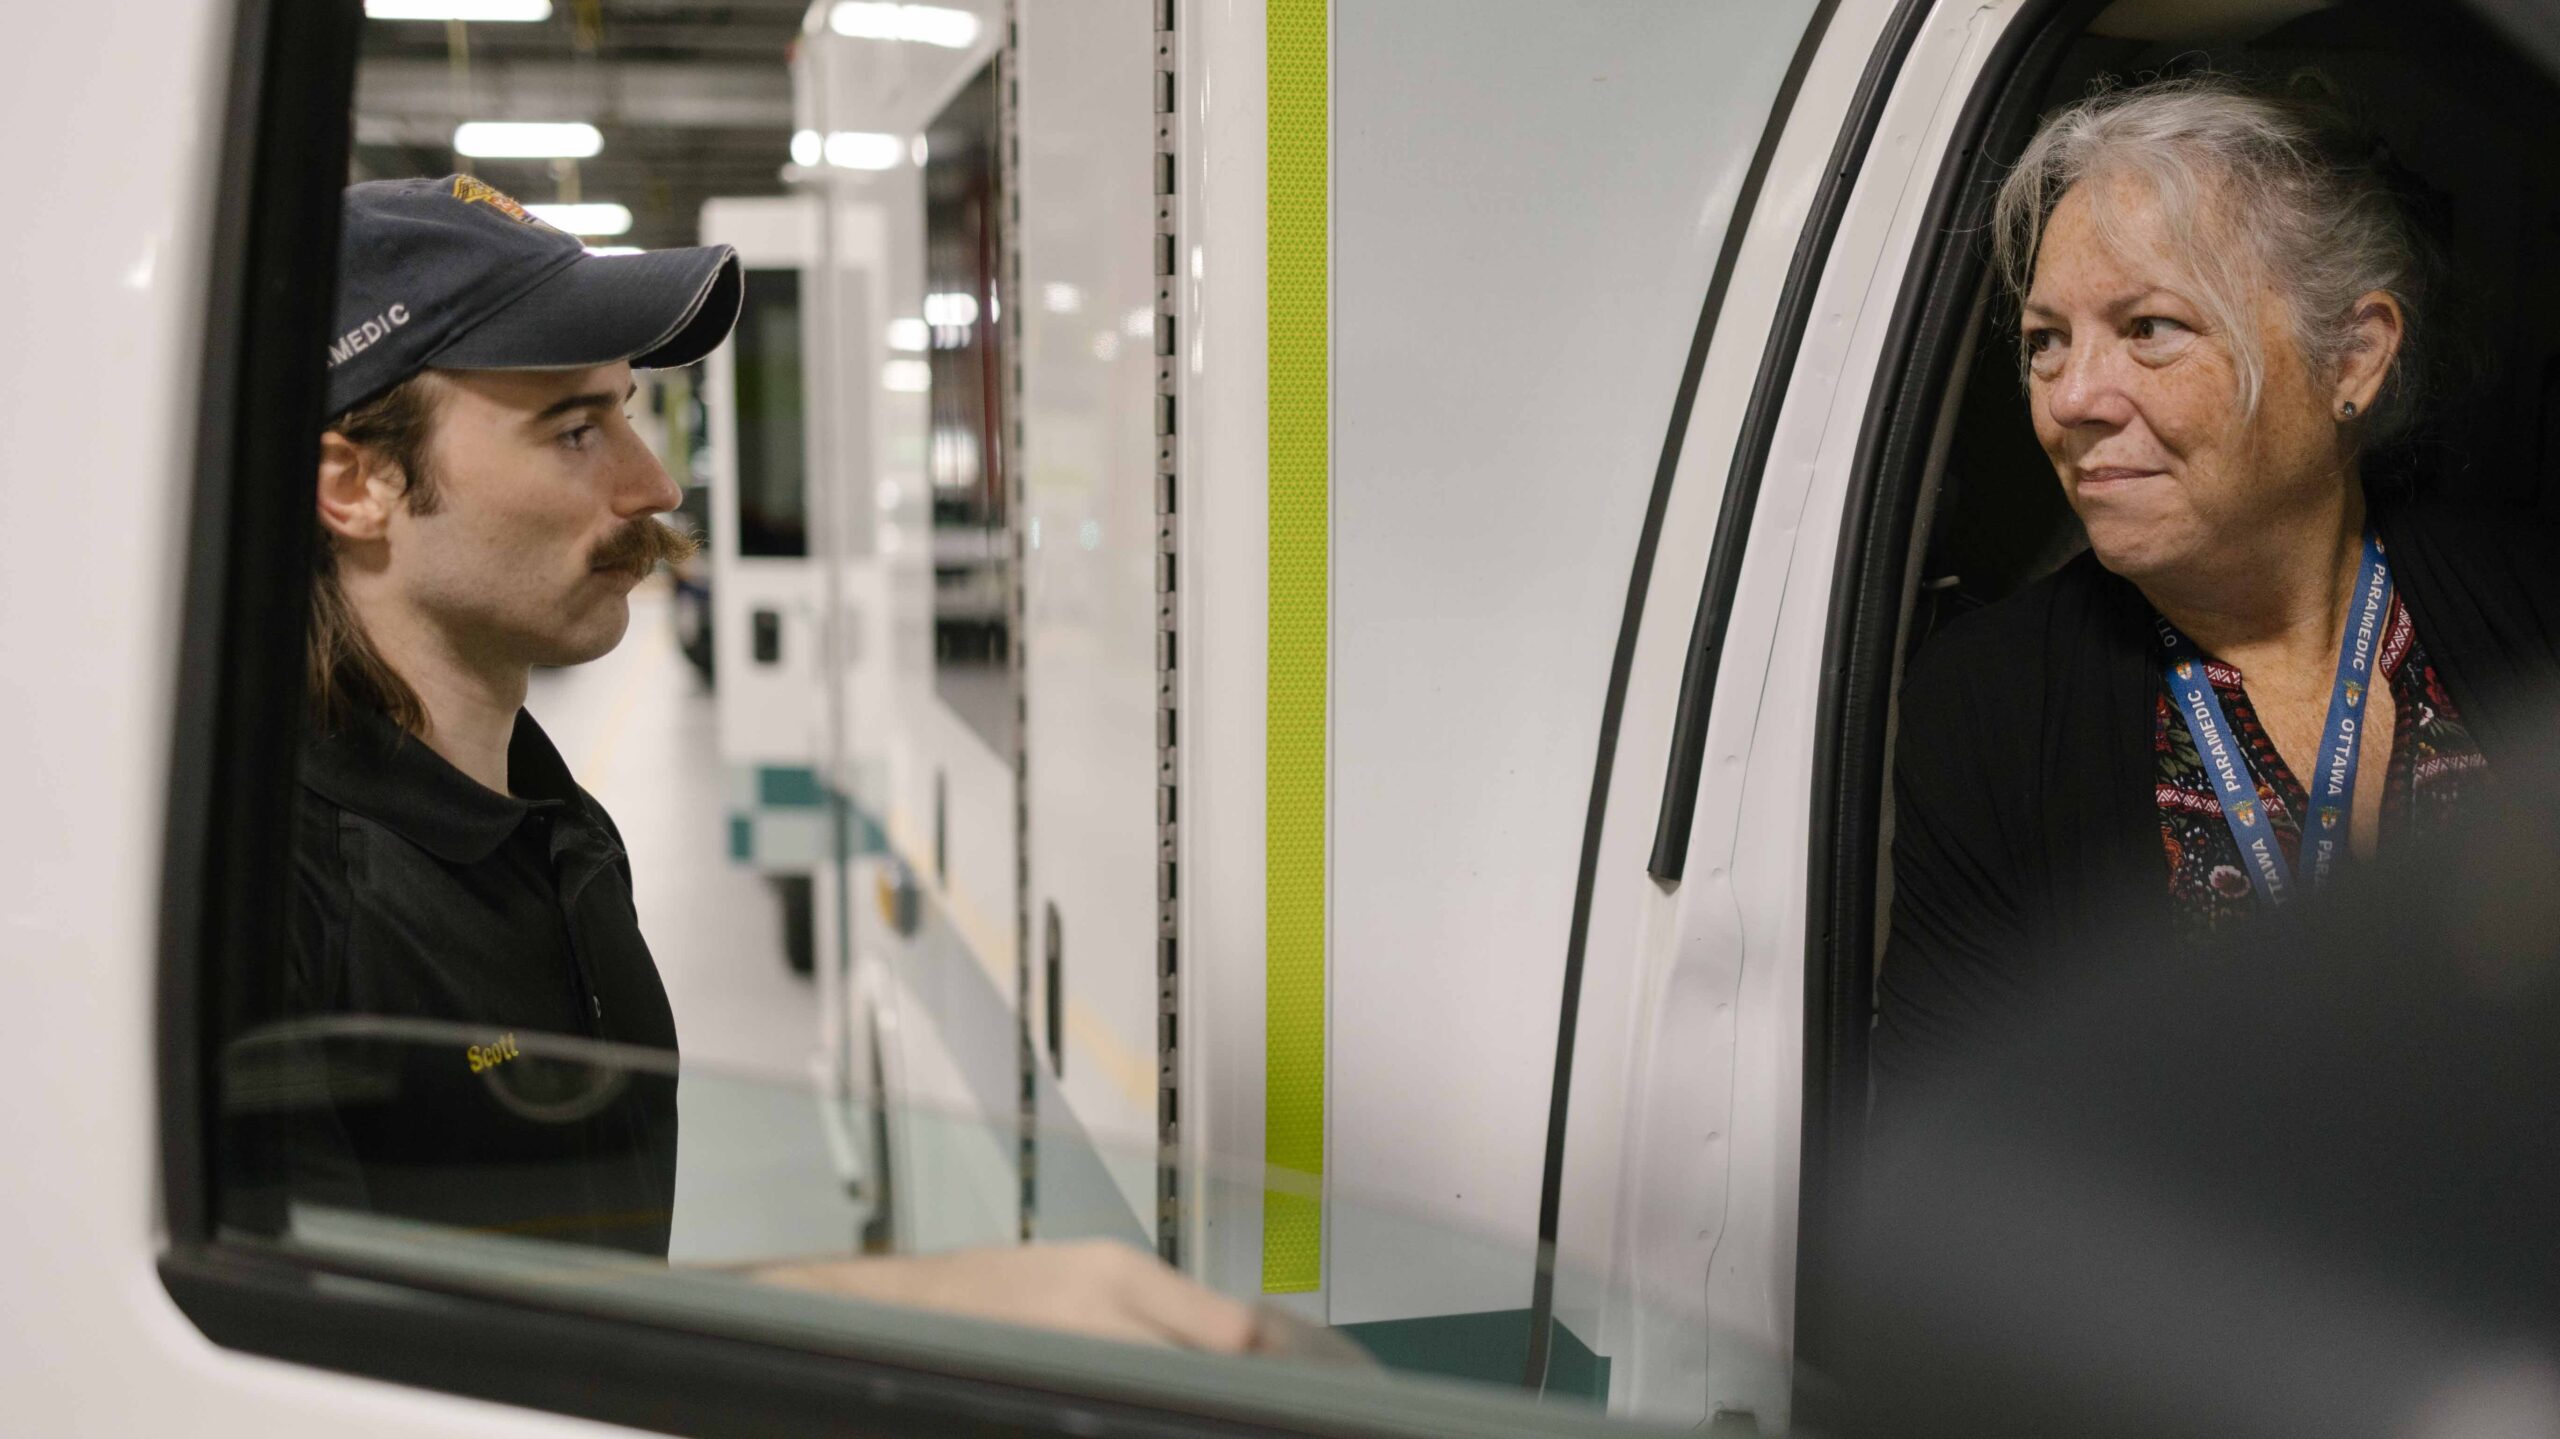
[451, 274]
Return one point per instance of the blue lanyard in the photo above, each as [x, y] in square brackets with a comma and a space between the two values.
[2333, 786]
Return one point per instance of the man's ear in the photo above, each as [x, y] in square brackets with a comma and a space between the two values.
[356, 494]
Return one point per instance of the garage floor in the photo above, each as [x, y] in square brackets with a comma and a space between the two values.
[754, 1177]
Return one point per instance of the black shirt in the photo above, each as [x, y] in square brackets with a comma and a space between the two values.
[2026, 841]
[507, 922]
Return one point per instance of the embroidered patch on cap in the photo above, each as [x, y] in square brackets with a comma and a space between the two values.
[478, 192]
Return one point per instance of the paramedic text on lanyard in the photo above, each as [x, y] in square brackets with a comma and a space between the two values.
[2332, 790]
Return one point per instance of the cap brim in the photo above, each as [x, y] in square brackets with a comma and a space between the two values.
[658, 309]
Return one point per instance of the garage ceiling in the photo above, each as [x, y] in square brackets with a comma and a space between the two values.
[693, 98]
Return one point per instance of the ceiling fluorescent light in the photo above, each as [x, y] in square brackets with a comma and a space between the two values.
[938, 25]
[491, 10]
[522, 140]
[958, 307]
[864, 150]
[864, 20]
[925, 24]
[588, 219]
[614, 250]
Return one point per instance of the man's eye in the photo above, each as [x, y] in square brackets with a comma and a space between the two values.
[577, 438]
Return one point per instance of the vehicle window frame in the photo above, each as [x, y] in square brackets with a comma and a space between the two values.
[231, 785]
[240, 641]
[1906, 413]
[1724, 561]
[1910, 409]
[751, 440]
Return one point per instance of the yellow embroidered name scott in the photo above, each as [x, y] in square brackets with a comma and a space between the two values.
[490, 1056]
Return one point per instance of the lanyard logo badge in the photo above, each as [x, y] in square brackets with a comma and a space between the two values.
[2332, 791]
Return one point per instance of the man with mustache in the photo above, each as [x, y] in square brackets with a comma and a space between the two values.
[484, 506]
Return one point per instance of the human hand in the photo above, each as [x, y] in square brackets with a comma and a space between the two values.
[1096, 1288]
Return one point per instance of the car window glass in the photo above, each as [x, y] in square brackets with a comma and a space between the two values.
[710, 992]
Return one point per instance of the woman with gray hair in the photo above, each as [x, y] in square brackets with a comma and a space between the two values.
[2257, 678]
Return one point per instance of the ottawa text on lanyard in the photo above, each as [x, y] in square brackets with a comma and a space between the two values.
[2332, 784]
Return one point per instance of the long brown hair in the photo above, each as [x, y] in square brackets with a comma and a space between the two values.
[344, 670]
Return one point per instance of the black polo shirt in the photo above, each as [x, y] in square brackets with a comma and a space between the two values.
[420, 894]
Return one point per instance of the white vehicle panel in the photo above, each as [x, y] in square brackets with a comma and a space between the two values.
[1752, 838]
[937, 774]
[1643, 1197]
[1086, 130]
[1222, 533]
[95, 1344]
[1504, 369]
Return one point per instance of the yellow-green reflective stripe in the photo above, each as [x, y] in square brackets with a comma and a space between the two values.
[1294, 760]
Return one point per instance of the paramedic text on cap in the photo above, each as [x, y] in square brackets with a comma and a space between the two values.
[485, 506]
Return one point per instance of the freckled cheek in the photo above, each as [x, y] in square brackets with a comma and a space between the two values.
[2192, 402]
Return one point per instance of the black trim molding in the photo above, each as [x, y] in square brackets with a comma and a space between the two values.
[1759, 432]
[672, 1381]
[270, 294]
[1847, 154]
[1613, 702]
[1906, 408]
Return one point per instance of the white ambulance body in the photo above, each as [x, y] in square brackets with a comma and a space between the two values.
[1351, 542]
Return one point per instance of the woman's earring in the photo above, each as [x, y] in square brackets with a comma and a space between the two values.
[2348, 409]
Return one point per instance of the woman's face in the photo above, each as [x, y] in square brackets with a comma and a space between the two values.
[2136, 400]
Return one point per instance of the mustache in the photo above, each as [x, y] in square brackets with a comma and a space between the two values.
[641, 544]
